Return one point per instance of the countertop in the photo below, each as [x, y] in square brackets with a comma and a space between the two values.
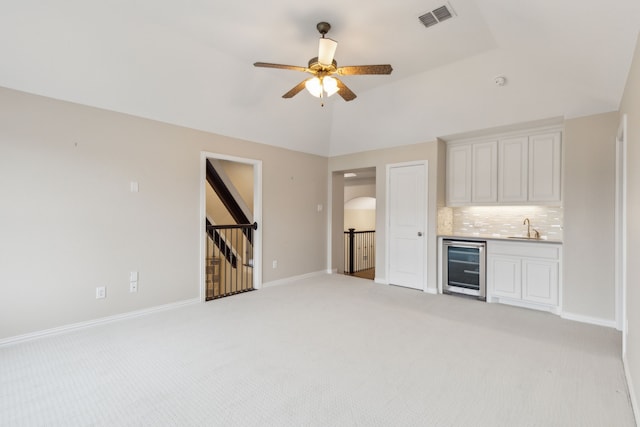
[501, 238]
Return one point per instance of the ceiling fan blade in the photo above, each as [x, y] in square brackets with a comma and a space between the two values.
[346, 93]
[295, 90]
[352, 70]
[280, 66]
[326, 51]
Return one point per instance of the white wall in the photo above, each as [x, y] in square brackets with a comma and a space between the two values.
[69, 223]
[631, 106]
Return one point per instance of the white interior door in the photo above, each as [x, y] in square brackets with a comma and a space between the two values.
[406, 198]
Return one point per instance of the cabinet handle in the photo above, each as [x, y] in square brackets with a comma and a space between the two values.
[419, 233]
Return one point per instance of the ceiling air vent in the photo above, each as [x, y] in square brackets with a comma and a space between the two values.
[437, 15]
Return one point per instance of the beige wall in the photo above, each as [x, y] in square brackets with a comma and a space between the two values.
[359, 190]
[631, 106]
[380, 159]
[69, 223]
[589, 216]
[360, 219]
[216, 210]
[241, 175]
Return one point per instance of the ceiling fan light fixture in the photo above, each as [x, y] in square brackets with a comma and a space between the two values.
[317, 86]
[330, 85]
[326, 51]
[314, 86]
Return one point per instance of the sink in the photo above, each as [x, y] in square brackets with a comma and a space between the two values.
[523, 238]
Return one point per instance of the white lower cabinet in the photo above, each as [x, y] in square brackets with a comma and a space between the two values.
[506, 276]
[524, 273]
[540, 281]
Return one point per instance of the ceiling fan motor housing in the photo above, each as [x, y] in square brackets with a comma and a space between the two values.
[314, 65]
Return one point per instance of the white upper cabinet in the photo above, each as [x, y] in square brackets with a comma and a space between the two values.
[484, 172]
[518, 169]
[544, 167]
[513, 169]
[459, 174]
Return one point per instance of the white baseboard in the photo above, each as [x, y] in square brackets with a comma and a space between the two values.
[294, 278]
[523, 304]
[89, 323]
[632, 393]
[588, 319]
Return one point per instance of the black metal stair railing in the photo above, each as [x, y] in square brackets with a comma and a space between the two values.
[229, 259]
[359, 250]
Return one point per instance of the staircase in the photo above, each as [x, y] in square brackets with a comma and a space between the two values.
[229, 257]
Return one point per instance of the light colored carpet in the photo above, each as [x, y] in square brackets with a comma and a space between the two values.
[326, 351]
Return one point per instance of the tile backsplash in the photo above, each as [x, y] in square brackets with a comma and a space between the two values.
[500, 221]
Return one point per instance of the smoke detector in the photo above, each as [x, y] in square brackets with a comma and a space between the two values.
[500, 80]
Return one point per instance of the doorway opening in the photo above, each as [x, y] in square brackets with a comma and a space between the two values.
[231, 203]
[359, 223]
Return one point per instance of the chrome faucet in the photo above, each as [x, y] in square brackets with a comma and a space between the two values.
[528, 224]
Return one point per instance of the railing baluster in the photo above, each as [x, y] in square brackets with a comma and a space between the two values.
[230, 246]
[351, 246]
[359, 250]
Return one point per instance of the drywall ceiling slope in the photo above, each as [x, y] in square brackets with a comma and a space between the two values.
[191, 64]
[550, 72]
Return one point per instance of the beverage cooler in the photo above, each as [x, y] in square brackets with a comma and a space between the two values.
[464, 268]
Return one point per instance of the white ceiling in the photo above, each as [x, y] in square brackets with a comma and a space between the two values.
[190, 63]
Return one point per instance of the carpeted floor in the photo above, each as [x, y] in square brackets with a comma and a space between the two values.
[326, 351]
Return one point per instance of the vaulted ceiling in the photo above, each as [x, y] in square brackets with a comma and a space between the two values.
[191, 63]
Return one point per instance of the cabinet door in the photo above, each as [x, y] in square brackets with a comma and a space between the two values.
[513, 170]
[540, 281]
[504, 276]
[544, 167]
[484, 170]
[459, 174]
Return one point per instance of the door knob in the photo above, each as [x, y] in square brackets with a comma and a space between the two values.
[419, 233]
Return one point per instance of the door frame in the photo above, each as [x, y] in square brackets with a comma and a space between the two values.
[621, 231]
[257, 216]
[387, 240]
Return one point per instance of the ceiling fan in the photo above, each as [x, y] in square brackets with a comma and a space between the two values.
[324, 67]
